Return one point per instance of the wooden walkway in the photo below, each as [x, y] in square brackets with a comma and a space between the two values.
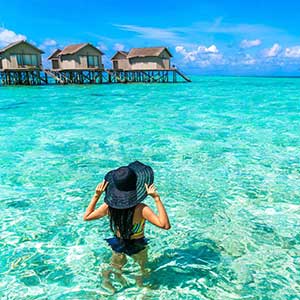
[109, 76]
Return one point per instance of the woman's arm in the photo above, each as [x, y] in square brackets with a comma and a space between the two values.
[91, 213]
[161, 219]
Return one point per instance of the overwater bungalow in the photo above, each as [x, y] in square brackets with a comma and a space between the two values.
[20, 55]
[83, 56]
[20, 63]
[151, 64]
[150, 58]
[77, 63]
[120, 61]
[55, 59]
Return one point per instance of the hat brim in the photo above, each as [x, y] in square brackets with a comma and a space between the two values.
[126, 199]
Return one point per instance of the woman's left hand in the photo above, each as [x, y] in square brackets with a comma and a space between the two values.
[101, 187]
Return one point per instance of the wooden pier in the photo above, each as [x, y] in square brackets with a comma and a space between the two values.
[146, 76]
[76, 76]
[46, 76]
[23, 77]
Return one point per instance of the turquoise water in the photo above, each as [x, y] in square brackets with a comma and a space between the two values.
[226, 156]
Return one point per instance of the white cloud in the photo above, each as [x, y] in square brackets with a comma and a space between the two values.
[292, 52]
[248, 60]
[273, 51]
[48, 43]
[179, 49]
[200, 49]
[216, 26]
[187, 55]
[119, 47]
[9, 36]
[210, 49]
[102, 47]
[149, 32]
[167, 35]
[250, 43]
[203, 55]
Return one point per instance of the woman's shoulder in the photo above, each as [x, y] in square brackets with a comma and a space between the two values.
[139, 210]
[140, 206]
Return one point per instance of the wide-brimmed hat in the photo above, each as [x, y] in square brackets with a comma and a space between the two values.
[126, 185]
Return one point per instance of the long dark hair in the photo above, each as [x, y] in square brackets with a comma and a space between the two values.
[121, 220]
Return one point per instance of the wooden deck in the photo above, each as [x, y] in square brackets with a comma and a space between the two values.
[35, 76]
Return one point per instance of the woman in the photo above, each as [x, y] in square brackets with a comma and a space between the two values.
[125, 188]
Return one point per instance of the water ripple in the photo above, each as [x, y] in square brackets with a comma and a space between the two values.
[226, 157]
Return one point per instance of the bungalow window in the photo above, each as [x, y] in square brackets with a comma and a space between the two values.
[34, 60]
[93, 61]
[19, 59]
[27, 59]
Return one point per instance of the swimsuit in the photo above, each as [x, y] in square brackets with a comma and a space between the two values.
[132, 246]
[137, 229]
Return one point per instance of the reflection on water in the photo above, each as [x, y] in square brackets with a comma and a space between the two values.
[173, 268]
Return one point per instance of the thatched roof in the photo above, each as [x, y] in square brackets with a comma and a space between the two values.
[11, 45]
[72, 49]
[124, 53]
[55, 54]
[147, 52]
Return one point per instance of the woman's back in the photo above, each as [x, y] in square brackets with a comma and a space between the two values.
[138, 223]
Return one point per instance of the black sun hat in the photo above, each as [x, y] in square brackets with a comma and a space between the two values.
[126, 185]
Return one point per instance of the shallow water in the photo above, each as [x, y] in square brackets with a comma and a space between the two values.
[226, 156]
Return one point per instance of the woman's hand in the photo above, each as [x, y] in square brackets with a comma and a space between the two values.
[91, 213]
[151, 190]
[101, 187]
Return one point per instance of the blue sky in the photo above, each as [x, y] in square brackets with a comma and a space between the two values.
[206, 37]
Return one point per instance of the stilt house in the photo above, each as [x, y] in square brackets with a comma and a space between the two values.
[151, 58]
[19, 56]
[77, 57]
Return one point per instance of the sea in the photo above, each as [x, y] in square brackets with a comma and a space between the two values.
[226, 156]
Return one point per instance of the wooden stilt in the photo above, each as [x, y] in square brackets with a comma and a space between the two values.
[34, 77]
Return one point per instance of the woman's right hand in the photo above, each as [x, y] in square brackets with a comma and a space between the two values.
[101, 187]
[151, 190]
